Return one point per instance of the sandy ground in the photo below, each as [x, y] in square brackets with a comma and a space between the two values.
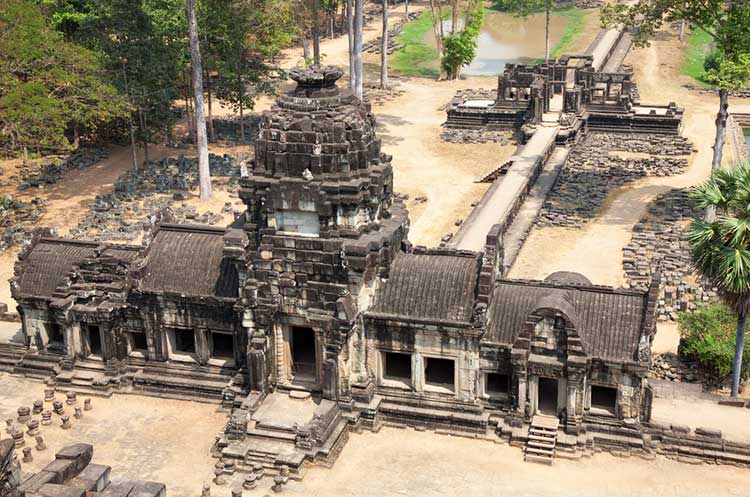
[169, 441]
[436, 465]
[140, 437]
[734, 422]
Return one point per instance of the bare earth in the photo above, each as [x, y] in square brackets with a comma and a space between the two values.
[169, 441]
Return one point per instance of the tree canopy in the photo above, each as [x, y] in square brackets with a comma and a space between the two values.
[52, 91]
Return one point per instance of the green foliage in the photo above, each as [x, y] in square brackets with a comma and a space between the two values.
[51, 91]
[524, 8]
[709, 338]
[721, 247]
[417, 57]
[461, 47]
[726, 23]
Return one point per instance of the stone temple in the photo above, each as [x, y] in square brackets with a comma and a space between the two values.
[312, 315]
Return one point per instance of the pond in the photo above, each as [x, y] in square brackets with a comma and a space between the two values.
[508, 39]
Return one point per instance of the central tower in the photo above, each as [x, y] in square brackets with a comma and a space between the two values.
[322, 228]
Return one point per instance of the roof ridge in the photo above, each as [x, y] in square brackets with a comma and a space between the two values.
[192, 228]
[590, 288]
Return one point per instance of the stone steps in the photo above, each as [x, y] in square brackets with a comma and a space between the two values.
[39, 365]
[11, 355]
[542, 439]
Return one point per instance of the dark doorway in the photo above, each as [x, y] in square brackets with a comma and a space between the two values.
[397, 367]
[547, 399]
[223, 345]
[603, 399]
[440, 372]
[94, 340]
[303, 353]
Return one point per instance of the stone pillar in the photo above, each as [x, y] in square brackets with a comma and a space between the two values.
[256, 365]
[330, 377]
[201, 345]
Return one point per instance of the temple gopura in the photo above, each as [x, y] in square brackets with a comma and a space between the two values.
[316, 296]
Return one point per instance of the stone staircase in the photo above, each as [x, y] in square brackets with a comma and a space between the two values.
[87, 376]
[496, 172]
[41, 365]
[540, 446]
[182, 381]
[11, 355]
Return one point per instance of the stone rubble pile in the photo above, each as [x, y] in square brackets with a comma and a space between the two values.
[51, 170]
[745, 93]
[375, 95]
[458, 135]
[675, 368]
[17, 218]
[373, 46]
[139, 201]
[659, 241]
[594, 169]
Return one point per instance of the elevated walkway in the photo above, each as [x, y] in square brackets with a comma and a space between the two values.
[502, 200]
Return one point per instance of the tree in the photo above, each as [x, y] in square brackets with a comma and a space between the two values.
[458, 47]
[255, 34]
[725, 21]
[52, 91]
[350, 39]
[721, 246]
[526, 8]
[384, 48]
[204, 172]
[358, 67]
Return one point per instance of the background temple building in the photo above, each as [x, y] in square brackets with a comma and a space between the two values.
[316, 296]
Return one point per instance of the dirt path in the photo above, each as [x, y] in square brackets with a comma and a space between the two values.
[596, 250]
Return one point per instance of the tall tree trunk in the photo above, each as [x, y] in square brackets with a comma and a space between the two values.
[406, 10]
[210, 112]
[204, 172]
[332, 20]
[384, 48]
[358, 22]
[241, 97]
[739, 346]
[721, 124]
[144, 139]
[350, 36]
[546, 33]
[305, 48]
[315, 32]
[682, 30]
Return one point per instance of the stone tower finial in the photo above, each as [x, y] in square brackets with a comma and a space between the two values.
[316, 81]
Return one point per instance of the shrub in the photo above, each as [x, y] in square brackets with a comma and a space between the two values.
[708, 336]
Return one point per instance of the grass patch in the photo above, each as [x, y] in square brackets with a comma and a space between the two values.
[699, 46]
[417, 58]
[573, 27]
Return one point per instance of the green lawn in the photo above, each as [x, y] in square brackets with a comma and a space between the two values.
[699, 46]
[418, 58]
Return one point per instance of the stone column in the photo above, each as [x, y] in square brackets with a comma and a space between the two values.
[256, 365]
[330, 378]
[201, 345]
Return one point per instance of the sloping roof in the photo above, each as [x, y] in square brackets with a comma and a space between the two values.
[609, 321]
[188, 260]
[439, 287]
[48, 263]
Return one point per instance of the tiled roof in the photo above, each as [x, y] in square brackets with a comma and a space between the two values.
[48, 263]
[609, 321]
[188, 260]
[430, 286]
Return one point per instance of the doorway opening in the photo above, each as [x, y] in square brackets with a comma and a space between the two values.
[547, 397]
[94, 340]
[302, 344]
